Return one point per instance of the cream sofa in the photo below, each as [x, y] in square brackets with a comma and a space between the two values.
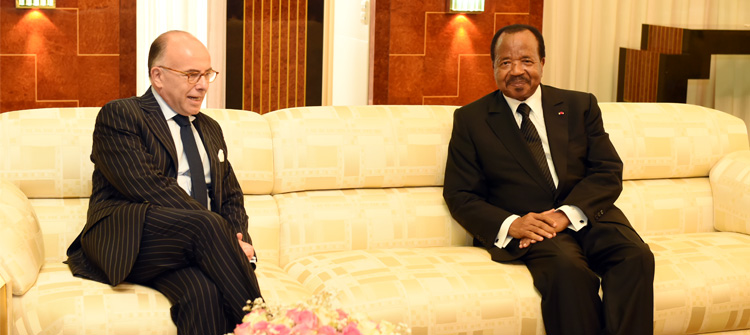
[350, 198]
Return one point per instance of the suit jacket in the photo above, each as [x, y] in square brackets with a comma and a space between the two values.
[135, 167]
[491, 173]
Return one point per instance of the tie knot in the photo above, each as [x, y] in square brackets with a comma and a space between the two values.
[524, 109]
[181, 120]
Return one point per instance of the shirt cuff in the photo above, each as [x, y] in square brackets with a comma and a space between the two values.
[502, 239]
[577, 219]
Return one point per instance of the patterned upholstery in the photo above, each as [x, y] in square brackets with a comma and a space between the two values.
[328, 221]
[249, 148]
[317, 148]
[701, 282]
[21, 245]
[671, 140]
[50, 148]
[728, 176]
[350, 199]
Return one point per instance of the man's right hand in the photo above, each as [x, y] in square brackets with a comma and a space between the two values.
[533, 227]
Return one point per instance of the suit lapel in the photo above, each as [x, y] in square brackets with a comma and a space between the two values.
[556, 120]
[503, 124]
[158, 125]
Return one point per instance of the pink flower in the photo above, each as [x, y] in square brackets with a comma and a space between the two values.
[327, 330]
[242, 329]
[342, 314]
[260, 326]
[351, 329]
[281, 329]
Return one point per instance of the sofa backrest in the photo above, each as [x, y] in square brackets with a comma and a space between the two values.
[46, 154]
[364, 177]
[668, 150]
[321, 179]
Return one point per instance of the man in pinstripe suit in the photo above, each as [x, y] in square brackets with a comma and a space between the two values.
[143, 224]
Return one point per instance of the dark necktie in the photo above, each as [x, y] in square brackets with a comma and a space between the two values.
[535, 143]
[197, 176]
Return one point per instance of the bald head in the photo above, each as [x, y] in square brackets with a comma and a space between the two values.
[162, 44]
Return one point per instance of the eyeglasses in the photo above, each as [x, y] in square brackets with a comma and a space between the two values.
[194, 76]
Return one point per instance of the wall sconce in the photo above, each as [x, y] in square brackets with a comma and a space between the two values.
[466, 6]
[35, 3]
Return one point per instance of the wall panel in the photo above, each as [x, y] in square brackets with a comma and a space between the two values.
[274, 54]
[81, 53]
[425, 55]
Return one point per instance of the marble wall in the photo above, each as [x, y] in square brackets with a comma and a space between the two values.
[424, 55]
[81, 53]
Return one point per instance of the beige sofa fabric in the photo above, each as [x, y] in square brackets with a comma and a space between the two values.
[349, 198]
[730, 181]
[671, 140]
[318, 148]
[21, 245]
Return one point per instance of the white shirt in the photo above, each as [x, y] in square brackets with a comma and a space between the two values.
[576, 216]
[183, 170]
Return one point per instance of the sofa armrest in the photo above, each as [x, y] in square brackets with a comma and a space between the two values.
[5, 305]
[21, 240]
[730, 184]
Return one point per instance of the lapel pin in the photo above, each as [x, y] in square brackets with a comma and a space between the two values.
[560, 113]
[221, 155]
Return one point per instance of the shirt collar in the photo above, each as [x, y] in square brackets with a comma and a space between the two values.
[534, 101]
[165, 109]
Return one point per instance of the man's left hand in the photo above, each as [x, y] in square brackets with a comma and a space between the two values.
[560, 219]
[247, 248]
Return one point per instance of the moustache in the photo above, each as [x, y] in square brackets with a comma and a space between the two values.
[516, 79]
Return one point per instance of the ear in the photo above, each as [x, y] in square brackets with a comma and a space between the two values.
[156, 76]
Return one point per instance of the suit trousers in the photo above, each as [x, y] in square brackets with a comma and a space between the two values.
[194, 259]
[566, 270]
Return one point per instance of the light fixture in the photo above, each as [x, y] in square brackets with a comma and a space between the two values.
[466, 6]
[35, 3]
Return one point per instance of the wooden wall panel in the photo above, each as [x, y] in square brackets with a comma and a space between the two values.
[81, 53]
[425, 55]
[275, 51]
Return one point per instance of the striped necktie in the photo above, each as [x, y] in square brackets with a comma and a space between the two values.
[535, 143]
[197, 175]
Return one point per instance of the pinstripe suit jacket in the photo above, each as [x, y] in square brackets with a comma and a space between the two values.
[135, 166]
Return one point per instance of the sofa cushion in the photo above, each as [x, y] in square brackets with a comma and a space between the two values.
[341, 147]
[50, 149]
[63, 304]
[701, 282]
[668, 206]
[249, 148]
[21, 243]
[730, 182]
[327, 221]
[666, 140]
[443, 290]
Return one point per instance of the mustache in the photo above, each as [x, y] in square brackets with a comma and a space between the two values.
[515, 79]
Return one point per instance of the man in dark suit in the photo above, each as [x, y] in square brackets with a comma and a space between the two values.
[166, 210]
[533, 176]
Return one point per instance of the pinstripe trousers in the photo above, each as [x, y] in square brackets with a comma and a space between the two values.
[194, 259]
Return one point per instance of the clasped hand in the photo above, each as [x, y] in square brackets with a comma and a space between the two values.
[535, 227]
[247, 248]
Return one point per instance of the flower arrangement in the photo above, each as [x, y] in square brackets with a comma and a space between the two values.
[316, 316]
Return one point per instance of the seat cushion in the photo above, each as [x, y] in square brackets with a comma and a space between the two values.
[701, 282]
[441, 290]
[62, 304]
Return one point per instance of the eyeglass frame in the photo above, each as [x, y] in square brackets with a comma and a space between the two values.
[188, 74]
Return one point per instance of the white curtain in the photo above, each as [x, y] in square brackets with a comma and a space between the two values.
[205, 19]
[583, 37]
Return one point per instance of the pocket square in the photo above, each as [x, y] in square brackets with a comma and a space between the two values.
[221, 155]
